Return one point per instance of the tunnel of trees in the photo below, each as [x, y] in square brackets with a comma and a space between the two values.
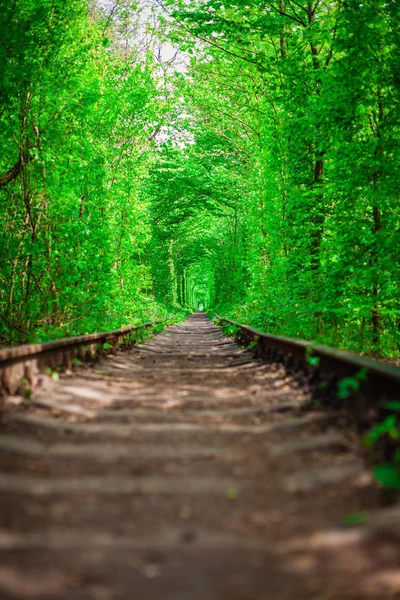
[238, 157]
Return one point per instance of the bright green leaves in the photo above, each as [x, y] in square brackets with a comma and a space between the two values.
[311, 359]
[388, 475]
[349, 386]
[195, 190]
[74, 247]
[308, 101]
[388, 430]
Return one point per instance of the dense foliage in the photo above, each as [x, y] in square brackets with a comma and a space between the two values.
[296, 117]
[78, 107]
[258, 177]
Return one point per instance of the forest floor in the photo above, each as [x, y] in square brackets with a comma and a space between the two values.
[183, 469]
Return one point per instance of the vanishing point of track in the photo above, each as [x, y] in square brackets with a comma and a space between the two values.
[184, 469]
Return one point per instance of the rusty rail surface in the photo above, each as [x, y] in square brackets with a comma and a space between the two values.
[28, 361]
[374, 383]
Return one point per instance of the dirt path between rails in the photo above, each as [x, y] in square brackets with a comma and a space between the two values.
[183, 470]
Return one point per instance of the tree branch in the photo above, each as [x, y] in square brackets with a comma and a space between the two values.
[297, 19]
[15, 170]
[13, 326]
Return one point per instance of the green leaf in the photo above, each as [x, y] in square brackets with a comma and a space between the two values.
[313, 360]
[355, 519]
[27, 391]
[389, 427]
[347, 386]
[310, 358]
[387, 475]
[232, 493]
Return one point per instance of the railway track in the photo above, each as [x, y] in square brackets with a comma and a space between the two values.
[186, 468]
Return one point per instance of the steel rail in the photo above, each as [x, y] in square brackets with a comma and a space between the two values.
[26, 362]
[377, 382]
